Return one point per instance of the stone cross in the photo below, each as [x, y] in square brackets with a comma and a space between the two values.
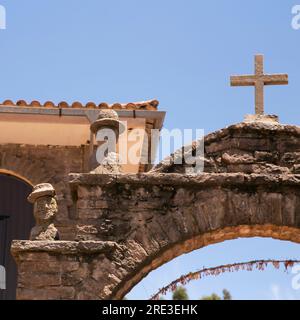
[259, 80]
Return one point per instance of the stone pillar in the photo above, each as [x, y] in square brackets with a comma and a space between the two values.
[108, 120]
[45, 209]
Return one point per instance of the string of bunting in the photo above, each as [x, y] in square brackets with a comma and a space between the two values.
[260, 265]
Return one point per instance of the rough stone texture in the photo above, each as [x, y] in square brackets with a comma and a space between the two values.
[143, 221]
[108, 119]
[255, 147]
[45, 210]
[41, 190]
[110, 164]
[261, 118]
[40, 164]
[127, 224]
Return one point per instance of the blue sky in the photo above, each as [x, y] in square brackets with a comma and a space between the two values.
[180, 52]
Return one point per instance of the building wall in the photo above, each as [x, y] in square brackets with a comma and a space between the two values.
[46, 148]
[37, 164]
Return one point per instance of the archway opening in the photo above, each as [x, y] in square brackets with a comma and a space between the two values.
[271, 283]
[16, 221]
[165, 253]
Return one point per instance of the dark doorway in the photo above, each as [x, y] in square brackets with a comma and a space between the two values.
[16, 221]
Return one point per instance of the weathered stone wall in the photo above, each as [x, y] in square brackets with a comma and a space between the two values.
[106, 270]
[127, 225]
[64, 270]
[255, 147]
[52, 164]
[140, 207]
[146, 220]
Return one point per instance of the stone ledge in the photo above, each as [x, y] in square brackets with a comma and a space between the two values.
[266, 118]
[263, 128]
[175, 179]
[63, 247]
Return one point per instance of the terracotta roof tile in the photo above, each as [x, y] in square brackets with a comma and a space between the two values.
[144, 105]
[63, 104]
[35, 104]
[77, 105]
[116, 106]
[8, 103]
[103, 105]
[49, 104]
[22, 103]
[91, 105]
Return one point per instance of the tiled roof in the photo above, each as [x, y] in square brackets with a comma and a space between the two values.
[143, 105]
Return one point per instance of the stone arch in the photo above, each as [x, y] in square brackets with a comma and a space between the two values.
[189, 213]
[129, 224]
[14, 174]
[198, 242]
[26, 169]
